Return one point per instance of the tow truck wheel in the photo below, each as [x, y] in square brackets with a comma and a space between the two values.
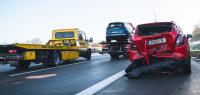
[89, 54]
[23, 64]
[114, 56]
[56, 58]
[187, 66]
[108, 40]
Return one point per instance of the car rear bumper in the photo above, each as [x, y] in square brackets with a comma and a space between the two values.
[179, 53]
[170, 63]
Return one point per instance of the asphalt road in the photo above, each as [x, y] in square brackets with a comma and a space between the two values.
[158, 84]
[78, 76]
[67, 79]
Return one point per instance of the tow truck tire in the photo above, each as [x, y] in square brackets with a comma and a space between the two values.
[108, 40]
[114, 56]
[187, 66]
[56, 58]
[23, 64]
[89, 53]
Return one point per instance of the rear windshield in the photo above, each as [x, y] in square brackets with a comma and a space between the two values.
[115, 25]
[146, 30]
[64, 35]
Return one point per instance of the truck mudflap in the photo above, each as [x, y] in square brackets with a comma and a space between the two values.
[136, 72]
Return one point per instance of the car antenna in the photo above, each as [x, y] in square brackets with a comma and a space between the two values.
[155, 16]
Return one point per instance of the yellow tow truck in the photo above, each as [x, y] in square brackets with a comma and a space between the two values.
[66, 44]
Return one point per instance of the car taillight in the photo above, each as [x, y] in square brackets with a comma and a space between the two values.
[12, 51]
[180, 40]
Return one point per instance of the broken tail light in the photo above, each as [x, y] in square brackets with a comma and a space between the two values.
[180, 40]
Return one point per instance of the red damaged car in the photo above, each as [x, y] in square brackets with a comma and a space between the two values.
[156, 46]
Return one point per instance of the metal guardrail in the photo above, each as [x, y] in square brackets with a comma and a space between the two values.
[195, 53]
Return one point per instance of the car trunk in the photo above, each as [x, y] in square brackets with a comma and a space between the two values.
[155, 39]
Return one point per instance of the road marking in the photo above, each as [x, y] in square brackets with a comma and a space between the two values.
[97, 87]
[96, 54]
[45, 69]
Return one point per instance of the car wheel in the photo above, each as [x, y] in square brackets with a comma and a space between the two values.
[131, 67]
[187, 66]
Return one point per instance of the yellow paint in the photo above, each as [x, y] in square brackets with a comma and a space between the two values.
[68, 46]
[29, 55]
[68, 55]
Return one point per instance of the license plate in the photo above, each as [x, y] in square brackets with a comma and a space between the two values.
[157, 41]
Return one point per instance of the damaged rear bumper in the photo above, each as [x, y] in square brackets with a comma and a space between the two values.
[170, 63]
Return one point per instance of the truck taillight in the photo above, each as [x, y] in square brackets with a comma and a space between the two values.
[12, 51]
[180, 40]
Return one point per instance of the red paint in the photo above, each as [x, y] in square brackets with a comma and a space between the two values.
[163, 50]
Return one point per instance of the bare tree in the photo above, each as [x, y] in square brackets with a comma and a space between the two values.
[34, 41]
[195, 41]
[196, 32]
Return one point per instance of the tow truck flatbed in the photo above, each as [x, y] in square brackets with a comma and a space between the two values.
[66, 44]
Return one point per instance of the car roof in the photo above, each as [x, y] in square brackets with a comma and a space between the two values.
[157, 23]
[117, 22]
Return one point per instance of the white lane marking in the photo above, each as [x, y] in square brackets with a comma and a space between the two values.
[97, 87]
[45, 69]
[96, 54]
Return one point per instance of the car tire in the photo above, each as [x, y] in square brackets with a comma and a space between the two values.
[130, 76]
[187, 66]
[131, 67]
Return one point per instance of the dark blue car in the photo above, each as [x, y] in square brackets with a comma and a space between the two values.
[119, 31]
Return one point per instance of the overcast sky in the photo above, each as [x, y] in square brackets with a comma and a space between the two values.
[21, 20]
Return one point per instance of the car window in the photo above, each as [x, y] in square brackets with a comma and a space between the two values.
[64, 34]
[146, 30]
[115, 25]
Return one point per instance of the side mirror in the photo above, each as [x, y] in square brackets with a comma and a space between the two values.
[189, 36]
[91, 40]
